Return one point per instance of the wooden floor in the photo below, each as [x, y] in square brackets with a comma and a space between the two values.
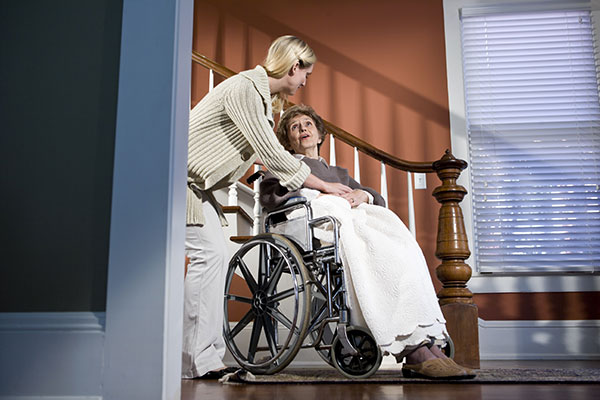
[198, 389]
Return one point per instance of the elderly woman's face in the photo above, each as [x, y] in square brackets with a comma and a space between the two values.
[303, 134]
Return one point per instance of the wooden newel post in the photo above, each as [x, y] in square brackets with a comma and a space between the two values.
[456, 300]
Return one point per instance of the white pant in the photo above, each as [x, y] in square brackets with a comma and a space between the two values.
[203, 344]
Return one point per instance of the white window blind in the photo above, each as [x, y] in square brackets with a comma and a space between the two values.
[533, 121]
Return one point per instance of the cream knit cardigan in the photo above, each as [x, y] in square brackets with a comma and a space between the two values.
[229, 128]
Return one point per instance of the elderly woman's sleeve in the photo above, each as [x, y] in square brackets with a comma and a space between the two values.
[272, 193]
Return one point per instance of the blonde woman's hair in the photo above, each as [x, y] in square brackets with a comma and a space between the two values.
[284, 52]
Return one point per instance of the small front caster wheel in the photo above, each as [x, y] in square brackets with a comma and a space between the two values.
[361, 365]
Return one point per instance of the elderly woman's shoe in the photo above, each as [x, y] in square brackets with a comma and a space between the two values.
[435, 368]
[470, 372]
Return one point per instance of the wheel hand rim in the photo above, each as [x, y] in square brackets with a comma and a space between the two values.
[264, 305]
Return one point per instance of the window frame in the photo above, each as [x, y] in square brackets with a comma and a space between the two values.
[499, 282]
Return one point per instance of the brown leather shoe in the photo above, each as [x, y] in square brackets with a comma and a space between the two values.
[436, 368]
[470, 372]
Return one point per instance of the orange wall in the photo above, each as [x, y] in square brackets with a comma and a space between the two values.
[381, 76]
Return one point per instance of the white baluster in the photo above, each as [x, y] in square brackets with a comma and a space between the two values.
[257, 208]
[411, 207]
[331, 150]
[233, 195]
[211, 80]
[356, 166]
[384, 192]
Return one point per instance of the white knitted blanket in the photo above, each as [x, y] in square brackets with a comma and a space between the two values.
[389, 283]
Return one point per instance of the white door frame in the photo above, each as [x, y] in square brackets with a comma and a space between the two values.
[142, 355]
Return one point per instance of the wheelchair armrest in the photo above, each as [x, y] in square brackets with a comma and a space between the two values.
[292, 201]
[277, 214]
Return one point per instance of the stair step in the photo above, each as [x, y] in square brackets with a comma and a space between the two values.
[237, 209]
[240, 239]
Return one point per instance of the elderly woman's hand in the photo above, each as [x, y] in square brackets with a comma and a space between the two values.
[356, 197]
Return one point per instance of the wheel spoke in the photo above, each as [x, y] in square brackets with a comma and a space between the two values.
[247, 275]
[358, 341]
[361, 364]
[234, 297]
[270, 333]
[263, 266]
[280, 317]
[317, 317]
[256, 331]
[285, 294]
[274, 280]
[321, 288]
[241, 324]
[347, 360]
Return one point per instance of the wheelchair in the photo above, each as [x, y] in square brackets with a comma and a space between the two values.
[287, 290]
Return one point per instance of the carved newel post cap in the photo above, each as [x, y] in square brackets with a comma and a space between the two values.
[449, 161]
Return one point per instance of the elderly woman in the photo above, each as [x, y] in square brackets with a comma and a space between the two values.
[390, 290]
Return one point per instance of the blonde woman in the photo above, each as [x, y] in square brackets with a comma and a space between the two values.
[229, 129]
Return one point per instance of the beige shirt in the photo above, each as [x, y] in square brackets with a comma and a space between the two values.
[229, 128]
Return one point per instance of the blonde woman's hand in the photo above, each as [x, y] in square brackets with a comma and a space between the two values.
[336, 189]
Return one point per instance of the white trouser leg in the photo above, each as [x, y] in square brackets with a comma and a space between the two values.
[203, 344]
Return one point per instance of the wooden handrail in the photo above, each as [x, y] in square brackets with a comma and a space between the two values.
[374, 152]
[210, 64]
[336, 131]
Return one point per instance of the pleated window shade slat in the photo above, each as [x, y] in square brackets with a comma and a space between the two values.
[533, 120]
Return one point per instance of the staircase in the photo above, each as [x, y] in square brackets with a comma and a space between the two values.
[238, 216]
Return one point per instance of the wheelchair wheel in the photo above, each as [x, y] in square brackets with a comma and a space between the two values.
[361, 365]
[267, 286]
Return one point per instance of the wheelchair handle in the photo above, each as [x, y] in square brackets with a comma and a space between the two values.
[255, 176]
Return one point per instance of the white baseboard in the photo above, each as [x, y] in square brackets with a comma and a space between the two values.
[503, 340]
[51, 355]
[50, 398]
[539, 340]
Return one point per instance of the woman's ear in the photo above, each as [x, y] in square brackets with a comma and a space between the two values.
[322, 136]
[294, 68]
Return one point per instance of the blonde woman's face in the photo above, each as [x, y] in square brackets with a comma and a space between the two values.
[297, 78]
[303, 134]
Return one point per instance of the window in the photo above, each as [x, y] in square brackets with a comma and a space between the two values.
[533, 124]
[480, 129]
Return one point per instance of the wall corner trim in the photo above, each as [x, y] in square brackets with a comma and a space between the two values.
[51, 355]
[53, 321]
